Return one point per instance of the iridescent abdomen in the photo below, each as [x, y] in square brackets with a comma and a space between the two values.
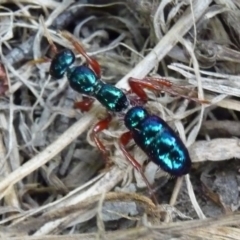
[158, 141]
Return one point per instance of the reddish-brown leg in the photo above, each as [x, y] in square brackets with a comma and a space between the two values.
[92, 62]
[3, 80]
[124, 140]
[137, 88]
[84, 105]
[99, 127]
[157, 84]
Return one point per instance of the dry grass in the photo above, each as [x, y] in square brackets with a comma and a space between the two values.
[52, 184]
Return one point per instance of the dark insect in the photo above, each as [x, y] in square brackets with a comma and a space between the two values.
[150, 133]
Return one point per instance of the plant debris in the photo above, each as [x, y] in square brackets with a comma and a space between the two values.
[54, 183]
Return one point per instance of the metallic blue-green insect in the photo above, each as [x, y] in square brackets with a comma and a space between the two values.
[153, 135]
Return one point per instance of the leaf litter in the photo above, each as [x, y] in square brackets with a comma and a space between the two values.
[53, 182]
